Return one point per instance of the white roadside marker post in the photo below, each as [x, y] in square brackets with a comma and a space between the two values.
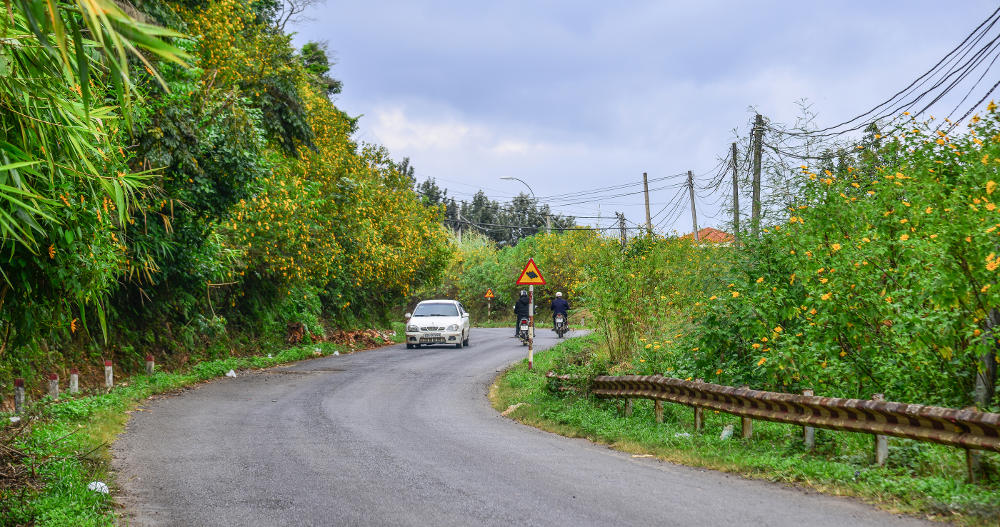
[109, 375]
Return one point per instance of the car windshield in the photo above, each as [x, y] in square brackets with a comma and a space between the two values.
[436, 310]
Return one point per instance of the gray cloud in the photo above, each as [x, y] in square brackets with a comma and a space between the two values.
[586, 94]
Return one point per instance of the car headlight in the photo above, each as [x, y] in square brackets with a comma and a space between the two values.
[453, 327]
[412, 327]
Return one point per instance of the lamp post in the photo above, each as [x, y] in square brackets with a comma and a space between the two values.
[548, 225]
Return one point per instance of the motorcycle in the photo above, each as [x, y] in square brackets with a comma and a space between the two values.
[522, 331]
[561, 326]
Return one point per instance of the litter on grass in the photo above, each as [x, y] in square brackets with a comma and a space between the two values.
[230, 373]
[727, 432]
[98, 486]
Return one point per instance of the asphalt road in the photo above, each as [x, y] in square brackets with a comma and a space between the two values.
[407, 437]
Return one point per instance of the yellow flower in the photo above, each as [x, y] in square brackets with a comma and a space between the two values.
[718, 372]
[991, 186]
[835, 247]
[736, 294]
[755, 345]
[761, 361]
[826, 296]
[52, 251]
[761, 279]
[904, 237]
[992, 106]
[778, 329]
[649, 346]
[713, 297]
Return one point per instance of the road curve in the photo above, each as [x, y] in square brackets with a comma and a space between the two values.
[407, 437]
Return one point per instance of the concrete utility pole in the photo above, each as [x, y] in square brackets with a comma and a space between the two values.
[645, 191]
[694, 214]
[758, 133]
[621, 228]
[736, 198]
[548, 224]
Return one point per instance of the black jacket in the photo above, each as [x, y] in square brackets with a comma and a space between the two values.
[521, 307]
[560, 305]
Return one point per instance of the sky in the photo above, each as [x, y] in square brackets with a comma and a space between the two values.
[573, 96]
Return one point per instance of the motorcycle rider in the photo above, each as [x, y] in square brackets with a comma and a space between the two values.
[520, 310]
[559, 306]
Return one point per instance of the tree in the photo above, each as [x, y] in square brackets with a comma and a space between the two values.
[316, 59]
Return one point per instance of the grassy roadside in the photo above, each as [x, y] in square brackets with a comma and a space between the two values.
[68, 440]
[921, 478]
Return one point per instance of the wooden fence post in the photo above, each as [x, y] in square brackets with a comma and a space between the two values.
[74, 381]
[150, 364]
[973, 459]
[628, 407]
[746, 424]
[699, 414]
[881, 442]
[808, 432]
[658, 410]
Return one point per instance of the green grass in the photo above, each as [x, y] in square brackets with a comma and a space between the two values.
[920, 478]
[71, 438]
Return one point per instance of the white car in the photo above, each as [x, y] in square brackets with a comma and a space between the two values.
[437, 322]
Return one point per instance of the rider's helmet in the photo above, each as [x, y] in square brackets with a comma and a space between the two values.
[558, 294]
[524, 293]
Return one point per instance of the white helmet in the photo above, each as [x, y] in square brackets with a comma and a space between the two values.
[558, 294]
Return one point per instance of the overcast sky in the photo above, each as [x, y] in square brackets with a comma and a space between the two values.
[577, 95]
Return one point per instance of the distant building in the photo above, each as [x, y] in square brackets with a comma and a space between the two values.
[710, 235]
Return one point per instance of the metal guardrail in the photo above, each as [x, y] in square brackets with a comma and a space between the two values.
[961, 428]
[967, 428]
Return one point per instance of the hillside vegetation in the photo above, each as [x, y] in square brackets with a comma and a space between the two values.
[178, 181]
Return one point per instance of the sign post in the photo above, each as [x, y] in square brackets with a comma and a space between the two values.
[531, 276]
[489, 302]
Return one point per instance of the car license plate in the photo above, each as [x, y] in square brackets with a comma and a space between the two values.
[432, 334]
[431, 340]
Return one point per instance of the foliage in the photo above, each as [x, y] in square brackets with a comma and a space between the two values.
[504, 223]
[239, 202]
[882, 280]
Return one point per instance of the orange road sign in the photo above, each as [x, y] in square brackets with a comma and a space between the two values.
[531, 275]
[489, 294]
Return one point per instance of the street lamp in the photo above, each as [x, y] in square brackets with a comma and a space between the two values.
[548, 225]
[523, 183]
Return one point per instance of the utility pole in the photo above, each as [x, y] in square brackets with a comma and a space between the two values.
[645, 191]
[736, 199]
[548, 224]
[694, 214]
[758, 133]
[621, 228]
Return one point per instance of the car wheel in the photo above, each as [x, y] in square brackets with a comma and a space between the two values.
[409, 346]
[466, 341]
[459, 345]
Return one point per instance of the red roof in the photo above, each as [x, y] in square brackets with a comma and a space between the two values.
[708, 234]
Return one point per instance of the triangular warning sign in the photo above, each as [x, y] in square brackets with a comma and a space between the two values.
[489, 293]
[531, 275]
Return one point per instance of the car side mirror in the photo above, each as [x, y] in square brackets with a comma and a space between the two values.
[408, 315]
[465, 315]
